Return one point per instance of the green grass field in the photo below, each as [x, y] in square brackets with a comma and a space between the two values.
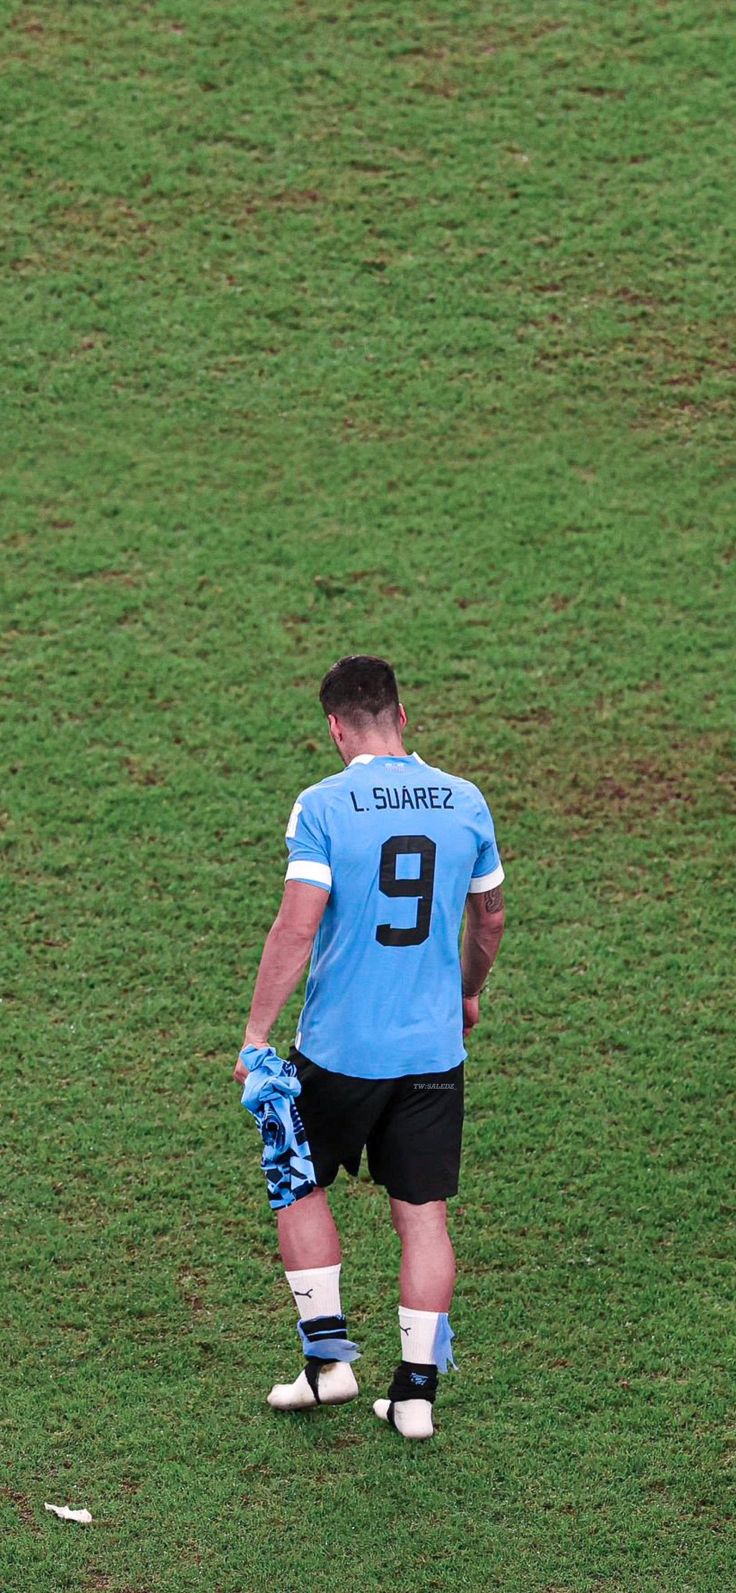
[406, 328]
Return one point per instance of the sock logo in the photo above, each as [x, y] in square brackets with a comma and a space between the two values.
[418, 1378]
[406, 1330]
[304, 1293]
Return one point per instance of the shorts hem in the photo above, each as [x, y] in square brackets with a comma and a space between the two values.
[422, 1199]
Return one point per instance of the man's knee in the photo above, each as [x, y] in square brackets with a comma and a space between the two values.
[303, 1211]
[412, 1221]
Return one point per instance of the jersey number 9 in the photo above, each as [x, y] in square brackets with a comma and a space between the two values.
[421, 887]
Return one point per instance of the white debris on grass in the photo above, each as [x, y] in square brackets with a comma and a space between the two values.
[65, 1514]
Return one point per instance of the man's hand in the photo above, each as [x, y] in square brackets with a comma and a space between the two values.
[471, 1013]
[240, 1073]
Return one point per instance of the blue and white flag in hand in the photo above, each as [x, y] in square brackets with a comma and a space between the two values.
[268, 1093]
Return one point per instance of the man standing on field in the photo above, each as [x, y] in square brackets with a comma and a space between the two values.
[384, 859]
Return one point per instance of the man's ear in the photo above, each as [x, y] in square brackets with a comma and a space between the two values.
[402, 716]
[335, 728]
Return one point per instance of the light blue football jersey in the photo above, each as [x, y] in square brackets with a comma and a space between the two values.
[398, 845]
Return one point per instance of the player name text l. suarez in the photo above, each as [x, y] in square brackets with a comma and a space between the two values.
[418, 796]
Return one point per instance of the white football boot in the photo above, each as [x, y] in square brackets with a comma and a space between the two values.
[411, 1417]
[320, 1383]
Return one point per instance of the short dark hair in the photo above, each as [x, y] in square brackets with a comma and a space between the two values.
[360, 687]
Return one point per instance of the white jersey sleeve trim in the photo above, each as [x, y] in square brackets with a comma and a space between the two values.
[486, 882]
[293, 821]
[311, 873]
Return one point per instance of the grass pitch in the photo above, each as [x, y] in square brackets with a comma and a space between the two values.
[338, 327]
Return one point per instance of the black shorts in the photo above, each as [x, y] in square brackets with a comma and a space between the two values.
[411, 1127]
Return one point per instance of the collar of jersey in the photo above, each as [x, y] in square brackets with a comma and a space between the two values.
[368, 757]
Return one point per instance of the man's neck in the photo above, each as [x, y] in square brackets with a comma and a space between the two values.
[378, 747]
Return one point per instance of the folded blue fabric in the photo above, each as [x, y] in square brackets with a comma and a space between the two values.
[268, 1094]
[268, 1075]
[443, 1344]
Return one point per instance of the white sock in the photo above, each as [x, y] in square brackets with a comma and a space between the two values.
[316, 1291]
[418, 1333]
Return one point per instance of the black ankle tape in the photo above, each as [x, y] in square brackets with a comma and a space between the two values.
[413, 1380]
[311, 1372]
[317, 1328]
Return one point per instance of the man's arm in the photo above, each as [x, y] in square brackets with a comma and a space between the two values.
[484, 921]
[285, 956]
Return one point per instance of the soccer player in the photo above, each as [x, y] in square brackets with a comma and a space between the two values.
[385, 857]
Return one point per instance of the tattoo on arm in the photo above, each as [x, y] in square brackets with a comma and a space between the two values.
[493, 900]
